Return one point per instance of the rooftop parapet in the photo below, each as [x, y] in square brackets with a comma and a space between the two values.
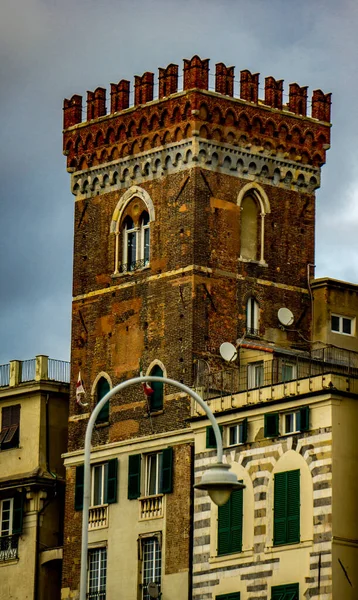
[161, 109]
[41, 368]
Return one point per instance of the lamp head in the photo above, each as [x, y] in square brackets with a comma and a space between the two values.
[219, 483]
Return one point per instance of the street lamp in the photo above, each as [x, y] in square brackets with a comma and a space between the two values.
[217, 480]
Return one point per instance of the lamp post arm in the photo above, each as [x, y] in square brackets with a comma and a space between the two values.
[87, 454]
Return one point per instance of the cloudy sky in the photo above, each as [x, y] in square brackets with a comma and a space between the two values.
[51, 49]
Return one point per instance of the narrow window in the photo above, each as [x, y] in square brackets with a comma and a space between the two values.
[129, 245]
[230, 524]
[144, 239]
[6, 516]
[97, 574]
[287, 508]
[289, 371]
[103, 389]
[255, 375]
[152, 565]
[249, 229]
[99, 484]
[252, 317]
[153, 475]
[10, 427]
[285, 592]
[238, 433]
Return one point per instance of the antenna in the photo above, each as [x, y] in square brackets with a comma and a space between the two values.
[228, 351]
[285, 316]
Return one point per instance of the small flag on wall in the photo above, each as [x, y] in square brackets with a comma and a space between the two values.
[80, 391]
[147, 389]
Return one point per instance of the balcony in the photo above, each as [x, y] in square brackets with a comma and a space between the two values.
[40, 368]
[96, 596]
[9, 547]
[98, 517]
[133, 266]
[151, 507]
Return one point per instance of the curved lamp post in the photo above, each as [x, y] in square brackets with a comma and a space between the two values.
[217, 480]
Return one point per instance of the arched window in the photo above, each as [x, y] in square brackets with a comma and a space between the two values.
[129, 244]
[156, 399]
[144, 238]
[252, 316]
[249, 229]
[102, 389]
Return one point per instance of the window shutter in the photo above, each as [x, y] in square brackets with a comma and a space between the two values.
[236, 500]
[244, 431]
[280, 509]
[233, 596]
[224, 529]
[80, 471]
[167, 471]
[111, 491]
[293, 506]
[271, 425]
[304, 418]
[210, 436]
[103, 389]
[285, 592]
[18, 514]
[134, 463]
[10, 415]
[156, 400]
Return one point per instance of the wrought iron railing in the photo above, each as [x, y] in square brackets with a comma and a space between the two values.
[9, 547]
[4, 375]
[58, 370]
[133, 266]
[96, 595]
[28, 370]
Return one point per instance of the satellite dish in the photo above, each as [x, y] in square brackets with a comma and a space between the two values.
[153, 589]
[285, 316]
[228, 351]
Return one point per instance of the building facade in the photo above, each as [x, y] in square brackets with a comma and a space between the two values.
[34, 414]
[194, 225]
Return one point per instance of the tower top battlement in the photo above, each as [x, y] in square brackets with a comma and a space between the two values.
[176, 113]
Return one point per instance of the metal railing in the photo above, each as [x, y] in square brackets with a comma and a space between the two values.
[4, 375]
[96, 595]
[151, 506]
[133, 266]
[9, 547]
[58, 370]
[28, 370]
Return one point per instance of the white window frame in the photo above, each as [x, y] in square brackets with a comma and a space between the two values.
[97, 594]
[252, 316]
[11, 516]
[154, 568]
[288, 363]
[252, 369]
[104, 480]
[238, 427]
[340, 327]
[295, 415]
[148, 461]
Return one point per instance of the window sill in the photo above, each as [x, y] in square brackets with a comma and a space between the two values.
[8, 563]
[286, 547]
[136, 271]
[231, 559]
[253, 262]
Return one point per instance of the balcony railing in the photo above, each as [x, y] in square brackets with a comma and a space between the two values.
[9, 547]
[98, 517]
[151, 507]
[133, 266]
[4, 375]
[40, 368]
[96, 596]
[58, 370]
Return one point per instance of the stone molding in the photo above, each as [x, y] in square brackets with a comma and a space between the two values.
[252, 164]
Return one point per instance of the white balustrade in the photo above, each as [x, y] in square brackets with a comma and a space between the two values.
[98, 517]
[151, 507]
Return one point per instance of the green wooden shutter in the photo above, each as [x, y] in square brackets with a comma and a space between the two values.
[285, 592]
[80, 471]
[244, 431]
[156, 400]
[280, 509]
[293, 506]
[236, 501]
[304, 418]
[210, 436]
[134, 464]
[18, 513]
[233, 596]
[167, 472]
[103, 389]
[224, 528]
[271, 425]
[111, 488]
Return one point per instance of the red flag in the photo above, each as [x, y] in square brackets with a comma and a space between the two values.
[147, 389]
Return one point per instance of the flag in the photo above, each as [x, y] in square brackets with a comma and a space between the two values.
[80, 391]
[147, 389]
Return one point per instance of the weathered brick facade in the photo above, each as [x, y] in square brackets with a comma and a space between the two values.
[192, 152]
